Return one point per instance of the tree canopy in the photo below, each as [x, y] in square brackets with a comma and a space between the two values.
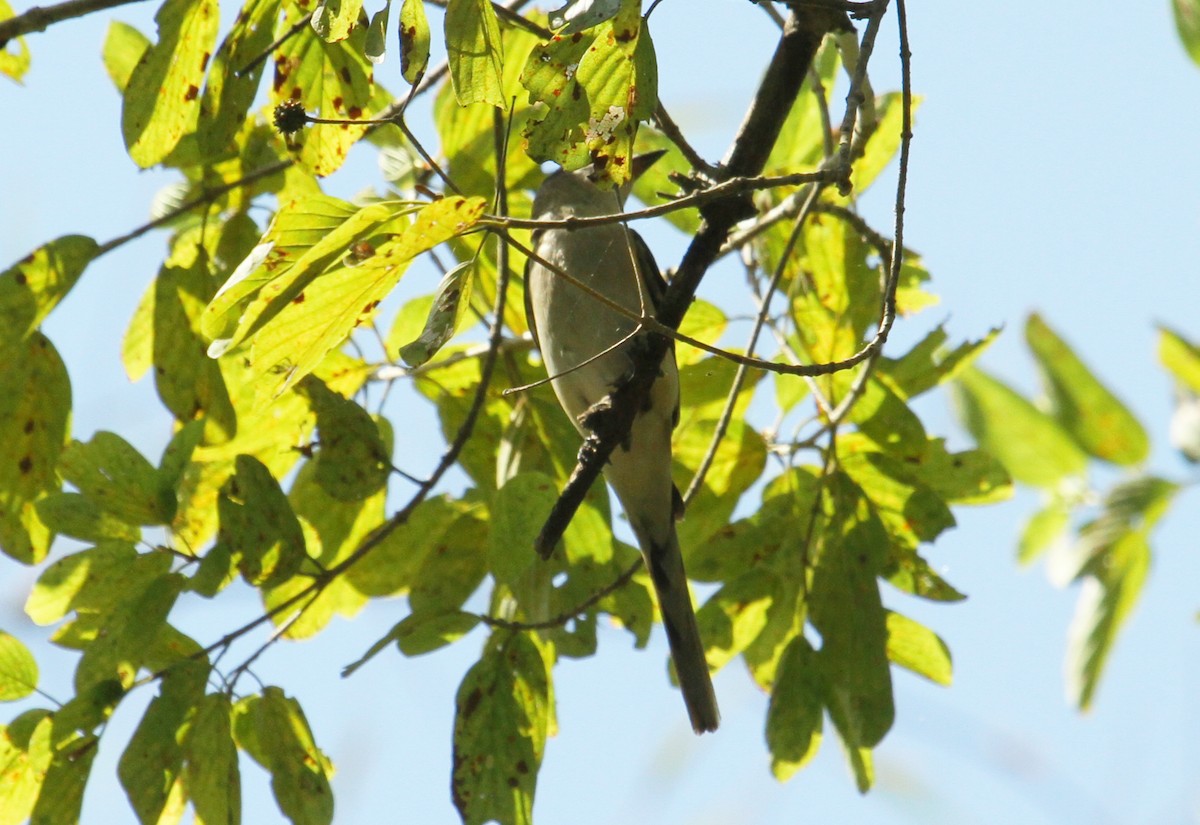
[814, 488]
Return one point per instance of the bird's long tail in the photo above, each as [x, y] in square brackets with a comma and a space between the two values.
[679, 618]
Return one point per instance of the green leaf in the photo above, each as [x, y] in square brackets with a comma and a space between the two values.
[426, 632]
[414, 40]
[1031, 445]
[1180, 356]
[35, 410]
[502, 718]
[1089, 413]
[518, 512]
[453, 568]
[736, 614]
[13, 64]
[77, 516]
[930, 363]
[352, 462]
[258, 525]
[334, 19]
[211, 763]
[1115, 553]
[274, 731]
[853, 656]
[1041, 530]
[124, 640]
[392, 566]
[882, 415]
[124, 47]
[96, 581]
[969, 477]
[376, 46]
[115, 476]
[1187, 22]
[162, 100]
[475, 53]
[33, 286]
[915, 647]
[331, 80]
[153, 760]
[911, 511]
[61, 797]
[165, 334]
[794, 715]
[450, 307]
[18, 669]
[1104, 605]
[230, 91]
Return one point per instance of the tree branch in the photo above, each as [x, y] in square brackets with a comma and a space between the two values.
[40, 18]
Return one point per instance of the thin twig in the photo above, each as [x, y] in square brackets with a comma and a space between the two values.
[202, 200]
[725, 189]
[576, 611]
[40, 18]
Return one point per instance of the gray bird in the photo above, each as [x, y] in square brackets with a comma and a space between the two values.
[576, 334]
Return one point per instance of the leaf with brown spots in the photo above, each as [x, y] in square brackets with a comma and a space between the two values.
[503, 716]
[160, 106]
[30, 289]
[597, 88]
[35, 411]
[330, 80]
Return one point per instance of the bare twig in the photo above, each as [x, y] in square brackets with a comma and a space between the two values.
[40, 18]
[576, 611]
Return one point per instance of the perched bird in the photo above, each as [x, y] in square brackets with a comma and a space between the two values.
[587, 348]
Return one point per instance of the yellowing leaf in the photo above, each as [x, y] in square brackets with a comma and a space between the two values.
[18, 669]
[917, 648]
[311, 322]
[124, 47]
[13, 64]
[1181, 357]
[334, 19]
[330, 80]
[230, 92]
[475, 53]
[162, 100]
[596, 89]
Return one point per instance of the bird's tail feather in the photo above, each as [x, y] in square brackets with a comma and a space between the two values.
[679, 618]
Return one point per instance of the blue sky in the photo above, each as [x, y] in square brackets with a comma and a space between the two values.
[1055, 166]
